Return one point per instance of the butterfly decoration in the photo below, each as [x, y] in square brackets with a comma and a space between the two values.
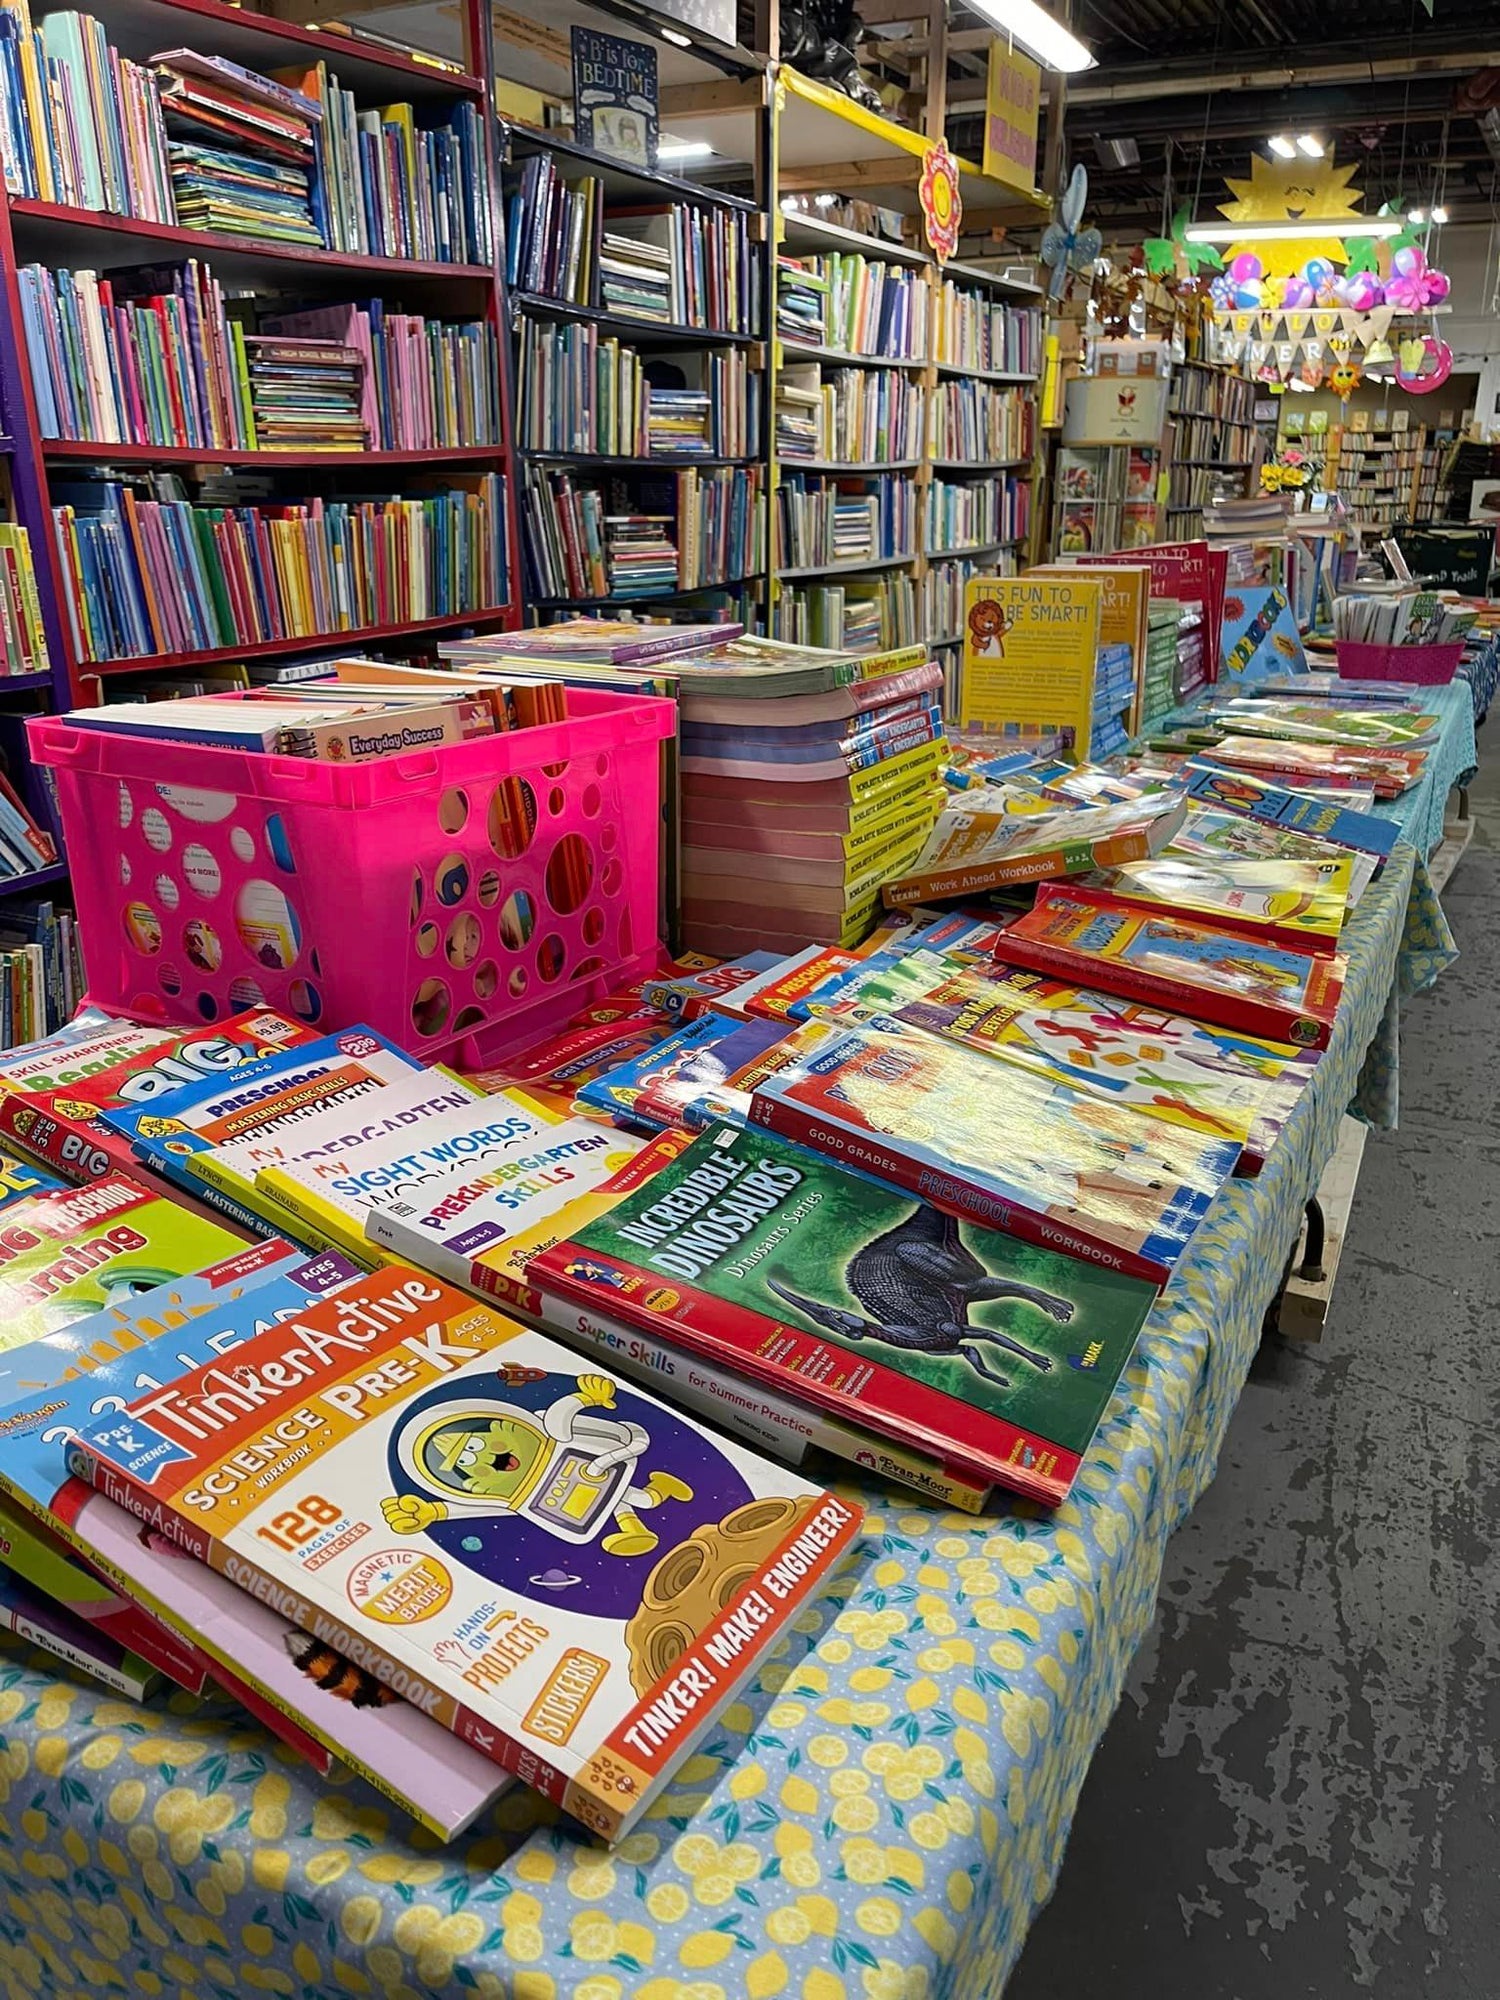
[1065, 247]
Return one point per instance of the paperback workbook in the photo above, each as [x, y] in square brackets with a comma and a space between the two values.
[1301, 904]
[334, 1709]
[541, 1557]
[673, 1084]
[1254, 797]
[994, 1356]
[1004, 1146]
[1190, 968]
[33, 1617]
[974, 848]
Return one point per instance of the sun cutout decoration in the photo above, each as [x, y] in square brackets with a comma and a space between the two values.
[1284, 191]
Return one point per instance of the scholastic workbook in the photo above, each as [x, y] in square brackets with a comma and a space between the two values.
[997, 1357]
[545, 1559]
[973, 849]
[56, 1109]
[459, 1225]
[1170, 1068]
[178, 1135]
[998, 1144]
[1301, 904]
[71, 1253]
[317, 1699]
[1259, 798]
[1282, 996]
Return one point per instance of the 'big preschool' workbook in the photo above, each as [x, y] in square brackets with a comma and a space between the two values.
[994, 1356]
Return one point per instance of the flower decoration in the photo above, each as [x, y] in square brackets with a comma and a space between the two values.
[1413, 284]
[941, 200]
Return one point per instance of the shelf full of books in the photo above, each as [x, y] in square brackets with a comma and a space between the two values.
[1377, 471]
[234, 268]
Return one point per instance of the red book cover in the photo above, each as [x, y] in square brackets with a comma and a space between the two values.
[1212, 975]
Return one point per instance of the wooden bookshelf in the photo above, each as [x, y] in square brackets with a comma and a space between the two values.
[1212, 445]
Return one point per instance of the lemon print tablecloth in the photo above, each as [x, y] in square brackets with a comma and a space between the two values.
[878, 1819]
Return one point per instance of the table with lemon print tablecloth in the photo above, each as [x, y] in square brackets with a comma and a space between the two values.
[878, 1819]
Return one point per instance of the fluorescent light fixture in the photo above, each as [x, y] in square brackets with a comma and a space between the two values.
[1311, 146]
[676, 35]
[1037, 32]
[1283, 147]
[1416, 217]
[1293, 232]
[683, 149]
[1440, 215]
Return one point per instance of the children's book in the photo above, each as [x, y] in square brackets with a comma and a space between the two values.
[68, 1254]
[539, 1555]
[1191, 968]
[1169, 1067]
[1318, 722]
[669, 1086]
[1214, 836]
[58, 1110]
[21, 1177]
[1391, 772]
[1300, 904]
[973, 849]
[1259, 636]
[177, 1134]
[684, 996]
[318, 1699]
[32, 1617]
[1259, 798]
[458, 1225]
[554, 1072]
[782, 993]
[749, 1410]
[994, 1356]
[998, 1144]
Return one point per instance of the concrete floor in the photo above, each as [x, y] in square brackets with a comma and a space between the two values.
[1297, 1796]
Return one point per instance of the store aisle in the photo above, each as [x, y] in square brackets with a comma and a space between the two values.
[1297, 1794]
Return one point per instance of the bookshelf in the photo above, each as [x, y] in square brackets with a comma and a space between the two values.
[1382, 474]
[636, 305]
[1213, 444]
[157, 425]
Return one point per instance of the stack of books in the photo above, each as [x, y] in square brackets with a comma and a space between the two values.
[1114, 700]
[635, 278]
[678, 421]
[305, 395]
[144, 576]
[823, 521]
[428, 383]
[799, 413]
[240, 148]
[1159, 682]
[640, 554]
[801, 303]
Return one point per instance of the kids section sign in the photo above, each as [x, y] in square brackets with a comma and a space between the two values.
[1030, 649]
[1012, 90]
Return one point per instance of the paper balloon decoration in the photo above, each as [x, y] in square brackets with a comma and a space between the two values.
[1412, 284]
[1423, 365]
[1361, 291]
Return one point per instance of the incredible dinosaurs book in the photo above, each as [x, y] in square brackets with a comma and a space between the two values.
[545, 1559]
[995, 1356]
[1192, 968]
[244, 1643]
[997, 1144]
[1299, 904]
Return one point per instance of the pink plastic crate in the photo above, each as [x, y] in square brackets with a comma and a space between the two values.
[397, 892]
[1429, 666]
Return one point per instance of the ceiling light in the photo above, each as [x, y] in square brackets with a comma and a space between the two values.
[683, 149]
[1037, 32]
[675, 35]
[1440, 215]
[1416, 217]
[1293, 232]
[1312, 147]
[1117, 152]
[1282, 147]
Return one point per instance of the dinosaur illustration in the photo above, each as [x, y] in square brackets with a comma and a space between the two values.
[918, 1283]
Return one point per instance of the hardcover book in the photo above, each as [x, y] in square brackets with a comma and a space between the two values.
[973, 849]
[614, 96]
[555, 1566]
[994, 1356]
[1001, 1145]
[1214, 975]
[1300, 904]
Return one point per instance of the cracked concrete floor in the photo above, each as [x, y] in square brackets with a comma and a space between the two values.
[1297, 1796]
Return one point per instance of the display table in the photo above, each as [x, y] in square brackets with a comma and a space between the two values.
[880, 1818]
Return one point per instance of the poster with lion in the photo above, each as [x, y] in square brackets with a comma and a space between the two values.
[1031, 647]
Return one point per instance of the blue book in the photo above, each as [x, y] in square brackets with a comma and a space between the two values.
[1253, 798]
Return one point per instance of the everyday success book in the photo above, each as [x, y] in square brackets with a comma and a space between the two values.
[996, 1357]
[557, 1567]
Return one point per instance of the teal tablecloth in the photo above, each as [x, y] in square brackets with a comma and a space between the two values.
[878, 1820]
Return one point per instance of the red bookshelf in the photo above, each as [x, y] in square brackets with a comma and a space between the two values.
[316, 642]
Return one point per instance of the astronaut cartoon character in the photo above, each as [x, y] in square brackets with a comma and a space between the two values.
[567, 1467]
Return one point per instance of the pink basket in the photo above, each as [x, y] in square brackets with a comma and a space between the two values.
[1430, 666]
[463, 900]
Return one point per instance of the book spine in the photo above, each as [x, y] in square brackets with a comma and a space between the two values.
[135, 1685]
[945, 1188]
[486, 1736]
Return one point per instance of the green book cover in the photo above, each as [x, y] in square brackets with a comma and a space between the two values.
[996, 1356]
